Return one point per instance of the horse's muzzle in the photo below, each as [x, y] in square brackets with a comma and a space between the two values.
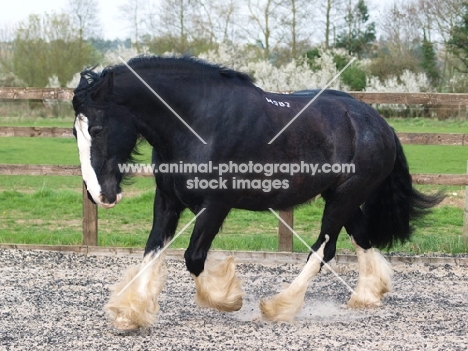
[104, 202]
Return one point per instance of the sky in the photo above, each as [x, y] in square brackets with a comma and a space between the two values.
[13, 11]
[18, 10]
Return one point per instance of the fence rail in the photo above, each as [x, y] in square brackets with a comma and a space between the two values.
[65, 170]
[90, 218]
[453, 139]
[429, 99]
[36, 93]
[46, 132]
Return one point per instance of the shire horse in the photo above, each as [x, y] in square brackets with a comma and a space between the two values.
[237, 120]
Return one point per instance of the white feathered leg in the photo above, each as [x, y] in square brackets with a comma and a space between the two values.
[134, 305]
[375, 278]
[285, 305]
[218, 286]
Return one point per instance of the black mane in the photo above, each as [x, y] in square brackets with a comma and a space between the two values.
[188, 64]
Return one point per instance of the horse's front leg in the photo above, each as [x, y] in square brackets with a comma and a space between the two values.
[217, 285]
[134, 300]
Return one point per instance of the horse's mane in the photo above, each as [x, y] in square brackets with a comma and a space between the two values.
[183, 63]
[188, 64]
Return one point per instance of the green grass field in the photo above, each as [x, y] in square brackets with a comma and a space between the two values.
[47, 210]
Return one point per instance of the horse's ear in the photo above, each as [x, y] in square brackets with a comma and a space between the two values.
[103, 90]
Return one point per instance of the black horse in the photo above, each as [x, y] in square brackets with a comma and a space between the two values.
[232, 123]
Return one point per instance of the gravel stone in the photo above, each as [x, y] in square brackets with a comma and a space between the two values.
[53, 301]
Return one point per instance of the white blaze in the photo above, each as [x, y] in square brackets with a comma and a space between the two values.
[84, 147]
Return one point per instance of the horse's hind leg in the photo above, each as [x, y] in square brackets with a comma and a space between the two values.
[285, 305]
[134, 300]
[375, 273]
[217, 285]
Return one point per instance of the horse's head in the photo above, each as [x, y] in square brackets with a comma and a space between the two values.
[105, 133]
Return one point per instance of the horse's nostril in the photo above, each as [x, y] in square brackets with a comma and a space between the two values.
[104, 199]
[107, 199]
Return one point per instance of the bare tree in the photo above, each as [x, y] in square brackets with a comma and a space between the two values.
[400, 38]
[188, 26]
[421, 12]
[333, 14]
[263, 16]
[85, 17]
[217, 19]
[173, 24]
[133, 11]
[445, 14]
[297, 19]
[399, 29]
[176, 17]
[227, 14]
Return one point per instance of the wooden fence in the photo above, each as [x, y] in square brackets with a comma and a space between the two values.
[285, 237]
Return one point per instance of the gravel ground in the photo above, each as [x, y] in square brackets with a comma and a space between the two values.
[53, 301]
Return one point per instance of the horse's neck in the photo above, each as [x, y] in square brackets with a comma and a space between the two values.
[160, 125]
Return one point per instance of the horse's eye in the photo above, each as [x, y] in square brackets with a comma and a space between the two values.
[94, 131]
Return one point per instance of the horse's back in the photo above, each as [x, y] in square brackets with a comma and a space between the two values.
[311, 93]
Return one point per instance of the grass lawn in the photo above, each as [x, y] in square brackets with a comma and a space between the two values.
[428, 125]
[62, 122]
[47, 210]
[54, 217]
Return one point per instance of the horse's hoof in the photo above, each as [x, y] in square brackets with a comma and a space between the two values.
[358, 304]
[124, 325]
[276, 309]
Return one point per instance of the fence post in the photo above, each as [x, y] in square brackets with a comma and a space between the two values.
[285, 236]
[465, 213]
[90, 220]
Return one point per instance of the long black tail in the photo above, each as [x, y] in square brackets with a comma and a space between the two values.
[391, 208]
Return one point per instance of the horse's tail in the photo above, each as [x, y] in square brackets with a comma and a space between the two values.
[392, 206]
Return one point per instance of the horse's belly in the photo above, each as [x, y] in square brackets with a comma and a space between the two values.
[278, 199]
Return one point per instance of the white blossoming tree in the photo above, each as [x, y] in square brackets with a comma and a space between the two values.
[295, 75]
[408, 82]
[73, 83]
[53, 82]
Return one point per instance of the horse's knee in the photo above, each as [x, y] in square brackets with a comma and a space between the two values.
[329, 250]
[195, 262]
